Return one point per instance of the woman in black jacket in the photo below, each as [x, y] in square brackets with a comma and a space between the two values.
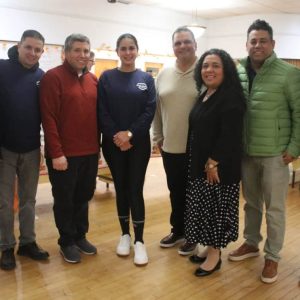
[215, 150]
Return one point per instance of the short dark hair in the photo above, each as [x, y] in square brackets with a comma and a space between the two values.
[183, 29]
[126, 36]
[260, 25]
[32, 34]
[231, 79]
[92, 54]
[75, 37]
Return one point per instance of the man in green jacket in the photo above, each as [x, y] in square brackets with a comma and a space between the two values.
[272, 141]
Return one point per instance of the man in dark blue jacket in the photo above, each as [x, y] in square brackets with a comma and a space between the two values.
[20, 146]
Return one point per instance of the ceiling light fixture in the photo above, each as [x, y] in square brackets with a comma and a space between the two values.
[198, 30]
[119, 1]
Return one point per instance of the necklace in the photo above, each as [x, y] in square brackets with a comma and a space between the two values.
[208, 94]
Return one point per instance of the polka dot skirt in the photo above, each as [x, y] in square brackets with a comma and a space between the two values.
[211, 216]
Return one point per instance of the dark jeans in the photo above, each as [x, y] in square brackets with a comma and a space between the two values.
[176, 170]
[72, 189]
[128, 169]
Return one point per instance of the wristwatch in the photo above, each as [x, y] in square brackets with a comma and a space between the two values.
[129, 134]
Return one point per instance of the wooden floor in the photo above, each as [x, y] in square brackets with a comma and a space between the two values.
[167, 276]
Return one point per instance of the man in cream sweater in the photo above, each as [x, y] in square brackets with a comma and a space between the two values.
[176, 95]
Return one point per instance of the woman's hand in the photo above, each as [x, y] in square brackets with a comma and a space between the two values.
[126, 146]
[120, 138]
[212, 175]
[211, 169]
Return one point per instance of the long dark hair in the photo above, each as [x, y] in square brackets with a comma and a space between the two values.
[231, 79]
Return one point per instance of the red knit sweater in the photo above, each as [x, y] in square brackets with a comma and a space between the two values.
[69, 112]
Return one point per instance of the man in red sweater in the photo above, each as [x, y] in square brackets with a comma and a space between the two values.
[68, 100]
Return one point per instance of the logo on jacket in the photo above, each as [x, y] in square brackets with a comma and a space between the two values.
[37, 83]
[142, 86]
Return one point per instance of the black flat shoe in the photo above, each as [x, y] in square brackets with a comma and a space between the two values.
[195, 259]
[201, 272]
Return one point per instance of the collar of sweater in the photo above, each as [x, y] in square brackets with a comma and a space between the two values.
[72, 70]
[190, 69]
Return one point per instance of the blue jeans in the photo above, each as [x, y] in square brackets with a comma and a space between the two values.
[24, 167]
[265, 182]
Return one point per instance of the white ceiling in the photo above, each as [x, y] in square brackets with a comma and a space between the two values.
[212, 9]
[208, 9]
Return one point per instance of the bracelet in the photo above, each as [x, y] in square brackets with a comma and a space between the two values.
[214, 170]
[209, 166]
[211, 170]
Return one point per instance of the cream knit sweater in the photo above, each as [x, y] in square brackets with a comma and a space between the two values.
[176, 96]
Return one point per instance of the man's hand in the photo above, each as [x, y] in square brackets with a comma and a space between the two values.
[60, 163]
[287, 158]
[42, 160]
[159, 146]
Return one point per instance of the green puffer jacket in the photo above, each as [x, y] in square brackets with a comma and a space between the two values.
[272, 123]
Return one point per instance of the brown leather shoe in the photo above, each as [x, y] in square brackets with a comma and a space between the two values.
[243, 252]
[269, 273]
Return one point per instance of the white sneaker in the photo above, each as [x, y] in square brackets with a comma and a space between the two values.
[123, 248]
[140, 254]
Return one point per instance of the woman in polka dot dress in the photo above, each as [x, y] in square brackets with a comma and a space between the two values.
[215, 151]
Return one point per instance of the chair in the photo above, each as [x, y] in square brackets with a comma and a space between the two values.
[104, 173]
[295, 169]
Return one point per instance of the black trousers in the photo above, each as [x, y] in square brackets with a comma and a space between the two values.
[72, 189]
[175, 166]
[128, 170]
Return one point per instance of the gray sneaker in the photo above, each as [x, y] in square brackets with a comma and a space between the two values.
[187, 248]
[70, 254]
[86, 247]
[171, 240]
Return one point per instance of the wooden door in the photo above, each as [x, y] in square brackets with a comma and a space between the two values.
[153, 68]
[102, 65]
